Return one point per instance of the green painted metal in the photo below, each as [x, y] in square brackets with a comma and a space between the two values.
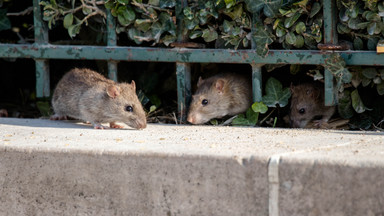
[42, 51]
[42, 78]
[42, 66]
[184, 55]
[329, 90]
[330, 21]
[257, 83]
[183, 70]
[330, 37]
[183, 76]
[257, 75]
[111, 41]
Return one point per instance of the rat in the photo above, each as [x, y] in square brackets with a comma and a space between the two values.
[87, 95]
[218, 96]
[307, 103]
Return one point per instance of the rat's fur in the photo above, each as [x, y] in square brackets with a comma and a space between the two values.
[85, 94]
[310, 97]
[227, 94]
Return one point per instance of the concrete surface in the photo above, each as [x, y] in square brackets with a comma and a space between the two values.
[68, 168]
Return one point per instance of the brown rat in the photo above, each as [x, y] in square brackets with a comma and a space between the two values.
[87, 95]
[307, 102]
[218, 96]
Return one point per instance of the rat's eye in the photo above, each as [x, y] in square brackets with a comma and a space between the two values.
[302, 111]
[129, 108]
[204, 102]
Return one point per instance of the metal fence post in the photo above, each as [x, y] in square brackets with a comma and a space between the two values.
[111, 41]
[42, 65]
[256, 70]
[330, 37]
[183, 70]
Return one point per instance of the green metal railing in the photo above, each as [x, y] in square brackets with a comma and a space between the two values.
[41, 51]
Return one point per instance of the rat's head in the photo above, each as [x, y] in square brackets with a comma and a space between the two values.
[123, 105]
[303, 104]
[209, 101]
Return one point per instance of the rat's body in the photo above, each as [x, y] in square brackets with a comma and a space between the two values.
[219, 96]
[85, 94]
[307, 103]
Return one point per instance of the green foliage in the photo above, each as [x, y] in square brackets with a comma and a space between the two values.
[44, 108]
[73, 15]
[361, 22]
[5, 24]
[337, 66]
[251, 117]
[275, 94]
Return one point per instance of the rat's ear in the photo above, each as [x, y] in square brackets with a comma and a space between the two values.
[199, 82]
[314, 93]
[220, 85]
[113, 91]
[292, 88]
[133, 85]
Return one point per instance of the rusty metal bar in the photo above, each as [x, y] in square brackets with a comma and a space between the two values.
[183, 70]
[330, 37]
[184, 55]
[257, 75]
[111, 41]
[42, 65]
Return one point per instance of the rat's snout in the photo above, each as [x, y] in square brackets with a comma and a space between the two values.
[141, 124]
[191, 119]
[294, 123]
[138, 124]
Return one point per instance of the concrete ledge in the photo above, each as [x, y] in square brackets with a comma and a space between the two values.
[68, 168]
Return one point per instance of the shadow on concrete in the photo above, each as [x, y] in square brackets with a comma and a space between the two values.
[69, 124]
[358, 132]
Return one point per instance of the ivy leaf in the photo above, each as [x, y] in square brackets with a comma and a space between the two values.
[275, 94]
[227, 26]
[73, 30]
[372, 42]
[167, 3]
[357, 103]
[143, 24]
[299, 41]
[210, 34]
[358, 43]
[133, 33]
[371, 29]
[336, 65]
[195, 34]
[240, 120]
[259, 107]
[344, 106]
[316, 7]
[270, 8]
[290, 38]
[229, 3]
[300, 28]
[125, 15]
[262, 39]
[68, 20]
[188, 13]
[380, 88]
[157, 30]
[291, 20]
[5, 24]
[369, 72]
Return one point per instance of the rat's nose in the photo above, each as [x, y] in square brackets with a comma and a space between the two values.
[191, 119]
[141, 125]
